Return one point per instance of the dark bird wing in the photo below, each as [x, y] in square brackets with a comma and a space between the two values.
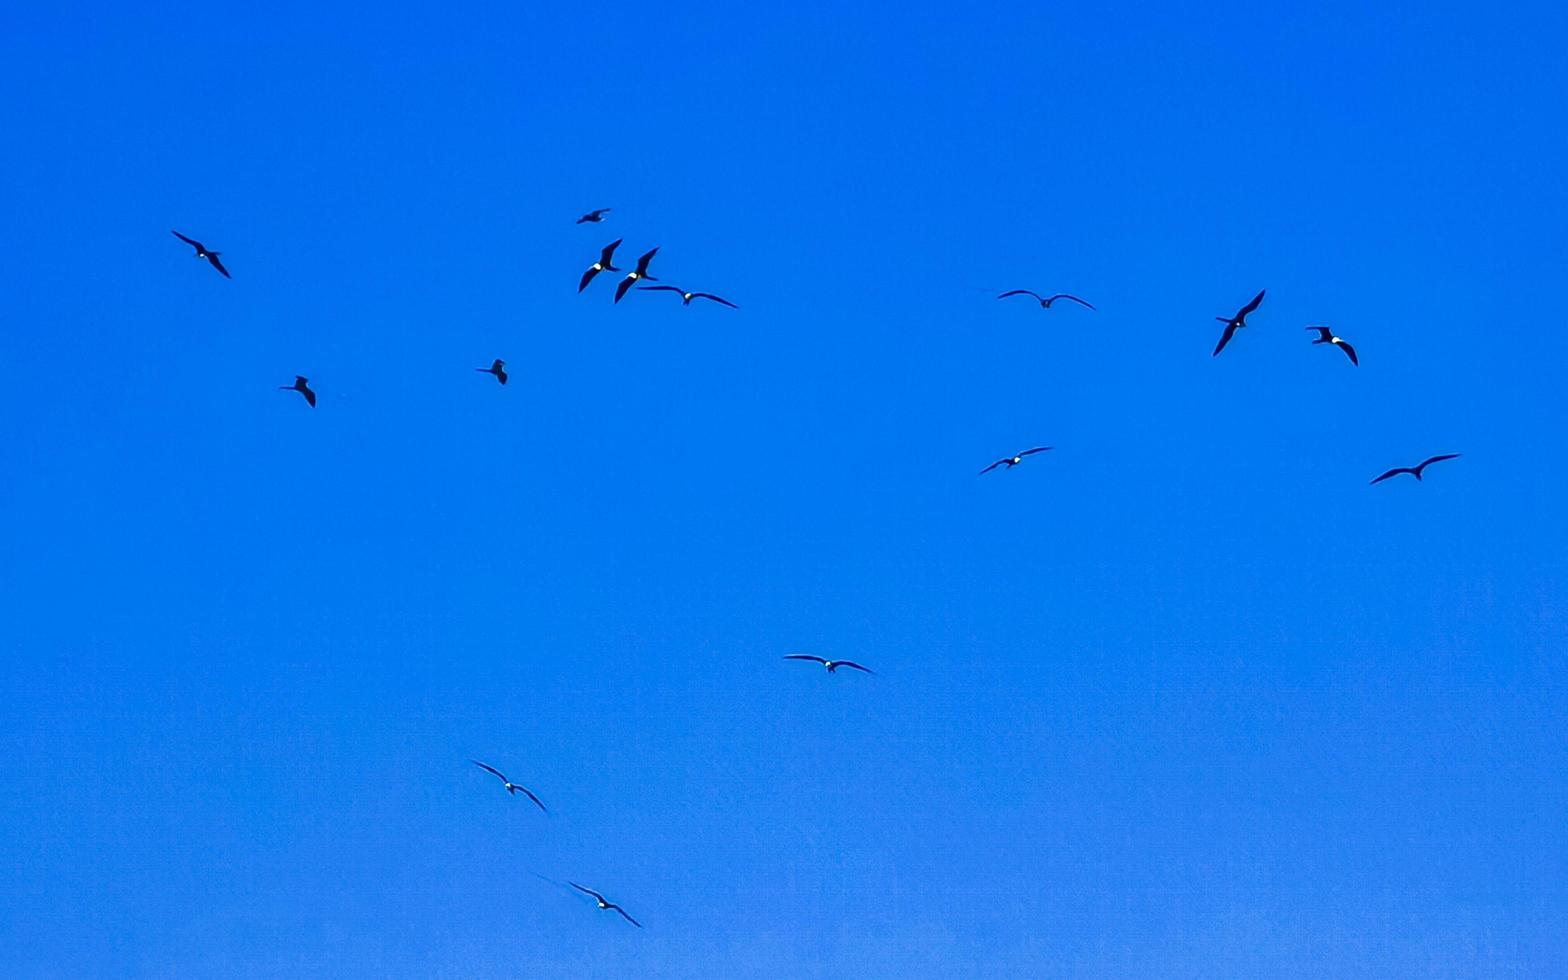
[1037, 449]
[993, 466]
[1230, 331]
[1070, 296]
[716, 299]
[1241, 314]
[1436, 459]
[1350, 352]
[1325, 334]
[494, 772]
[1394, 472]
[646, 257]
[1021, 292]
[623, 287]
[608, 252]
[213, 258]
[189, 241]
[587, 278]
[310, 396]
[500, 375]
[851, 663]
[588, 891]
[664, 289]
[805, 656]
[529, 793]
[624, 915]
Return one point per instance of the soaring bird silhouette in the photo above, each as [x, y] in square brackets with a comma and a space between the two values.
[641, 272]
[498, 369]
[508, 785]
[831, 665]
[302, 385]
[606, 254]
[202, 252]
[1326, 336]
[1012, 461]
[604, 903]
[1415, 470]
[1046, 301]
[686, 297]
[595, 216]
[1234, 323]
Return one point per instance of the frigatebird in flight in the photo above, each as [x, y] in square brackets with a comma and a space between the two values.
[604, 264]
[1234, 323]
[686, 297]
[594, 217]
[1046, 301]
[202, 252]
[641, 272]
[1326, 336]
[302, 385]
[1415, 470]
[498, 369]
[1012, 461]
[511, 787]
[831, 665]
[604, 903]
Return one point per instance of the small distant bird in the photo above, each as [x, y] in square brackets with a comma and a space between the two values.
[595, 216]
[1415, 470]
[1326, 336]
[606, 254]
[686, 297]
[498, 368]
[1045, 301]
[831, 665]
[1234, 323]
[202, 252]
[641, 272]
[604, 903]
[508, 785]
[1012, 461]
[302, 385]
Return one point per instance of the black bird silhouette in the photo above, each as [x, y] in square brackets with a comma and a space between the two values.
[1012, 461]
[604, 903]
[1234, 323]
[508, 785]
[302, 385]
[595, 216]
[203, 253]
[1415, 470]
[831, 665]
[1326, 336]
[641, 272]
[1046, 301]
[498, 369]
[686, 297]
[606, 254]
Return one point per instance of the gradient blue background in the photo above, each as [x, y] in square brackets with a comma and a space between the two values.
[1183, 698]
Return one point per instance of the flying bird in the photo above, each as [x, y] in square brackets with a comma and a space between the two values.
[641, 272]
[1045, 301]
[595, 216]
[1415, 470]
[1234, 323]
[604, 903]
[508, 785]
[603, 265]
[302, 385]
[831, 665]
[686, 297]
[1326, 336]
[498, 369]
[1012, 461]
[203, 253]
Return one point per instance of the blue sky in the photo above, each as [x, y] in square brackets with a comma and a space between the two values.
[1184, 697]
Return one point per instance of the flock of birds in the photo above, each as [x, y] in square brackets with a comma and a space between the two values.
[640, 274]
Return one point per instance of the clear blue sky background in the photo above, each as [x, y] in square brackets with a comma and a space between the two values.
[1183, 698]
